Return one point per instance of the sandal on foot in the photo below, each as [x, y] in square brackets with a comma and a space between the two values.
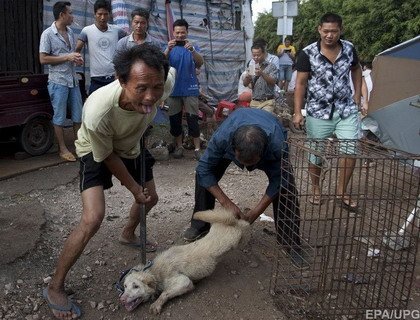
[347, 203]
[150, 246]
[315, 200]
[71, 306]
[68, 156]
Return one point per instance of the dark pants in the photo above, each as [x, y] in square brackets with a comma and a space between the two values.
[175, 122]
[286, 212]
[285, 207]
[98, 82]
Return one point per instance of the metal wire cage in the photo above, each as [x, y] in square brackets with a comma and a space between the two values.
[355, 259]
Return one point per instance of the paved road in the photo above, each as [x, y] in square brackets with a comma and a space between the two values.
[14, 162]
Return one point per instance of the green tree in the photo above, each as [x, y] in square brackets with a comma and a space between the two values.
[306, 23]
[385, 24]
[266, 28]
[371, 25]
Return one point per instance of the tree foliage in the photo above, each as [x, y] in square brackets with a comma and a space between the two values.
[266, 28]
[371, 25]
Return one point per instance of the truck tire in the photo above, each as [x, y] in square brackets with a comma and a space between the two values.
[37, 136]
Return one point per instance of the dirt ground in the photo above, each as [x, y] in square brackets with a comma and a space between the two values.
[43, 206]
[238, 289]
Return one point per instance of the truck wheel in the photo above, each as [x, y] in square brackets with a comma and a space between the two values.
[37, 136]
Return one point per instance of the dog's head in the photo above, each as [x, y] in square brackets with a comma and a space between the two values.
[139, 286]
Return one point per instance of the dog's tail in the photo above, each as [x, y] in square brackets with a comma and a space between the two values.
[219, 215]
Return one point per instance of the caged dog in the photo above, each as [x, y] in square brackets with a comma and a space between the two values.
[173, 271]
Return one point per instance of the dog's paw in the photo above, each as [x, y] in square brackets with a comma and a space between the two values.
[155, 308]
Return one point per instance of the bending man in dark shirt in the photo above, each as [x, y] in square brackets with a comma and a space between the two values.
[254, 139]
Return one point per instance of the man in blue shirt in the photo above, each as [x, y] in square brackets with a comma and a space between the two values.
[254, 139]
[185, 58]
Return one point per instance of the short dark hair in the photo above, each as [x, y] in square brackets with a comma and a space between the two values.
[140, 12]
[330, 17]
[180, 23]
[249, 141]
[260, 41]
[258, 45]
[151, 55]
[102, 4]
[59, 7]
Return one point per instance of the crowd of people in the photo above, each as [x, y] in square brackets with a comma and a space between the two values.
[131, 76]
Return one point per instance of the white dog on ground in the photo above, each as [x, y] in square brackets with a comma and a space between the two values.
[173, 271]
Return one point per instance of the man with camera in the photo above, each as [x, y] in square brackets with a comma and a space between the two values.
[185, 58]
[262, 77]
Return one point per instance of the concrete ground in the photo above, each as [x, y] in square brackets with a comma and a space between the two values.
[14, 162]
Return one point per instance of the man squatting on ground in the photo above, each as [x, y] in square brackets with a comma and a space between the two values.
[114, 119]
[323, 70]
[264, 79]
[252, 139]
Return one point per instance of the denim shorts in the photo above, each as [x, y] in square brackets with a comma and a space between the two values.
[94, 173]
[285, 72]
[345, 129]
[63, 97]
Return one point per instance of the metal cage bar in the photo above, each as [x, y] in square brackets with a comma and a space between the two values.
[360, 259]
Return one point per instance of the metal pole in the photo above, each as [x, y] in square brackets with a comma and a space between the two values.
[181, 9]
[284, 20]
[209, 25]
[142, 206]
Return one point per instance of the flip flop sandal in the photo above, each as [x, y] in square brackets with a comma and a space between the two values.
[347, 206]
[71, 306]
[150, 246]
[68, 157]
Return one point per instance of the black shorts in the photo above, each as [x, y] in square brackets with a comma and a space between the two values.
[94, 173]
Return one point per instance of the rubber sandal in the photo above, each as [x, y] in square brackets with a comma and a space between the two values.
[348, 206]
[150, 246]
[68, 157]
[71, 307]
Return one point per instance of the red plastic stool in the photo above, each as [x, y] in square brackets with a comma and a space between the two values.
[244, 104]
[224, 108]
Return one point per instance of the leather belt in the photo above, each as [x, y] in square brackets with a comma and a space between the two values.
[264, 99]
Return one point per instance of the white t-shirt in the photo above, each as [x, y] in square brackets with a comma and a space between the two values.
[107, 128]
[292, 83]
[102, 46]
[368, 80]
[241, 87]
